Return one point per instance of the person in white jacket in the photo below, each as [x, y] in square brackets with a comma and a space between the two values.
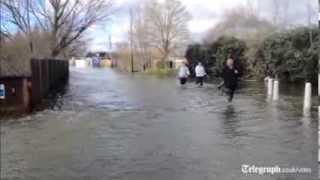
[200, 74]
[183, 73]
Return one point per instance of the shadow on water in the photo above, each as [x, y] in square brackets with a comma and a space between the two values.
[54, 100]
[230, 122]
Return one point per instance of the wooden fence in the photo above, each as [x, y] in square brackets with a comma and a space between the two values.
[47, 74]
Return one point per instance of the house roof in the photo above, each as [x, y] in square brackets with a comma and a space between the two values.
[102, 54]
[15, 68]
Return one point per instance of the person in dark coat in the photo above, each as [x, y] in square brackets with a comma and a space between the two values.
[230, 76]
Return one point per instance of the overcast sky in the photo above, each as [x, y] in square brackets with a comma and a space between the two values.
[205, 14]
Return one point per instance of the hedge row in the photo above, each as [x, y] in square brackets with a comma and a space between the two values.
[290, 55]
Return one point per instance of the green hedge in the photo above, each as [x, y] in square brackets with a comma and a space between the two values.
[292, 55]
[223, 48]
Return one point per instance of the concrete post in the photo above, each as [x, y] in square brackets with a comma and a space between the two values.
[307, 97]
[319, 80]
[275, 90]
[270, 86]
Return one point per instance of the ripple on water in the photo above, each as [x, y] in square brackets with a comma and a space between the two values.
[107, 125]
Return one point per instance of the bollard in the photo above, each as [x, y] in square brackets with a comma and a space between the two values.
[275, 90]
[270, 84]
[307, 97]
[319, 80]
[266, 80]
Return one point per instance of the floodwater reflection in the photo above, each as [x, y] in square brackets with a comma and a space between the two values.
[109, 125]
[231, 122]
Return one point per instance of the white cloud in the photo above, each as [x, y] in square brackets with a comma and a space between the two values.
[201, 25]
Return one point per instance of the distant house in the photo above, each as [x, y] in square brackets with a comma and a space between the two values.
[92, 59]
[80, 62]
[105, 58]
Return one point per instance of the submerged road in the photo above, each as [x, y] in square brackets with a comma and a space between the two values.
[111, 126]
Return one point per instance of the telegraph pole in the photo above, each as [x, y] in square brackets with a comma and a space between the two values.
[1, 39]
[131, 40]
[319, 52]
[29, 26]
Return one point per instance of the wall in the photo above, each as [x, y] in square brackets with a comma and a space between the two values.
[23, 93]
[17, 95]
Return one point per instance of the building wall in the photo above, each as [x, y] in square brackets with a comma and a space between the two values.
[23, 93]
[17, 95]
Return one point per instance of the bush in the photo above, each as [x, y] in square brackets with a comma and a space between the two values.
[292, 55]
[224, 47]
[198, 53]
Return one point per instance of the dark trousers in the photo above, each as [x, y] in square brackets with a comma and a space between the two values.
[199, 80]
[230, 93]
[183, 80]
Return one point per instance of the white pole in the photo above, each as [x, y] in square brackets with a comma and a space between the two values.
[270, 86]
[319, 84]
[275, 90]
[307, 97]
[319, 80]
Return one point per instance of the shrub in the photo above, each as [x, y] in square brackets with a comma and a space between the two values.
[224, 47]
[198, 53]
[292, 55]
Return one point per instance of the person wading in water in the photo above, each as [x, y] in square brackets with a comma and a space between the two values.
[183, 74]
[200, 74]
[230, 76]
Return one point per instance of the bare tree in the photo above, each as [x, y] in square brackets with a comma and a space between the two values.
[242, 22]
[310, 13]
[66, 20]
[281, 18]
[166, 26]
[4, 32]
[276, 12]
[141, 45]
[18, 14]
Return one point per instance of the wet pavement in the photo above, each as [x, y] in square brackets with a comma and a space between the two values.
[109, 125]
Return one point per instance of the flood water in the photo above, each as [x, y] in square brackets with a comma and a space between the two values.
[108, 125]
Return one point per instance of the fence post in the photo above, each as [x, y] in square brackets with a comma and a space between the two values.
[275, 90]
[270, 86]
[307, 97]
[319, 78]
